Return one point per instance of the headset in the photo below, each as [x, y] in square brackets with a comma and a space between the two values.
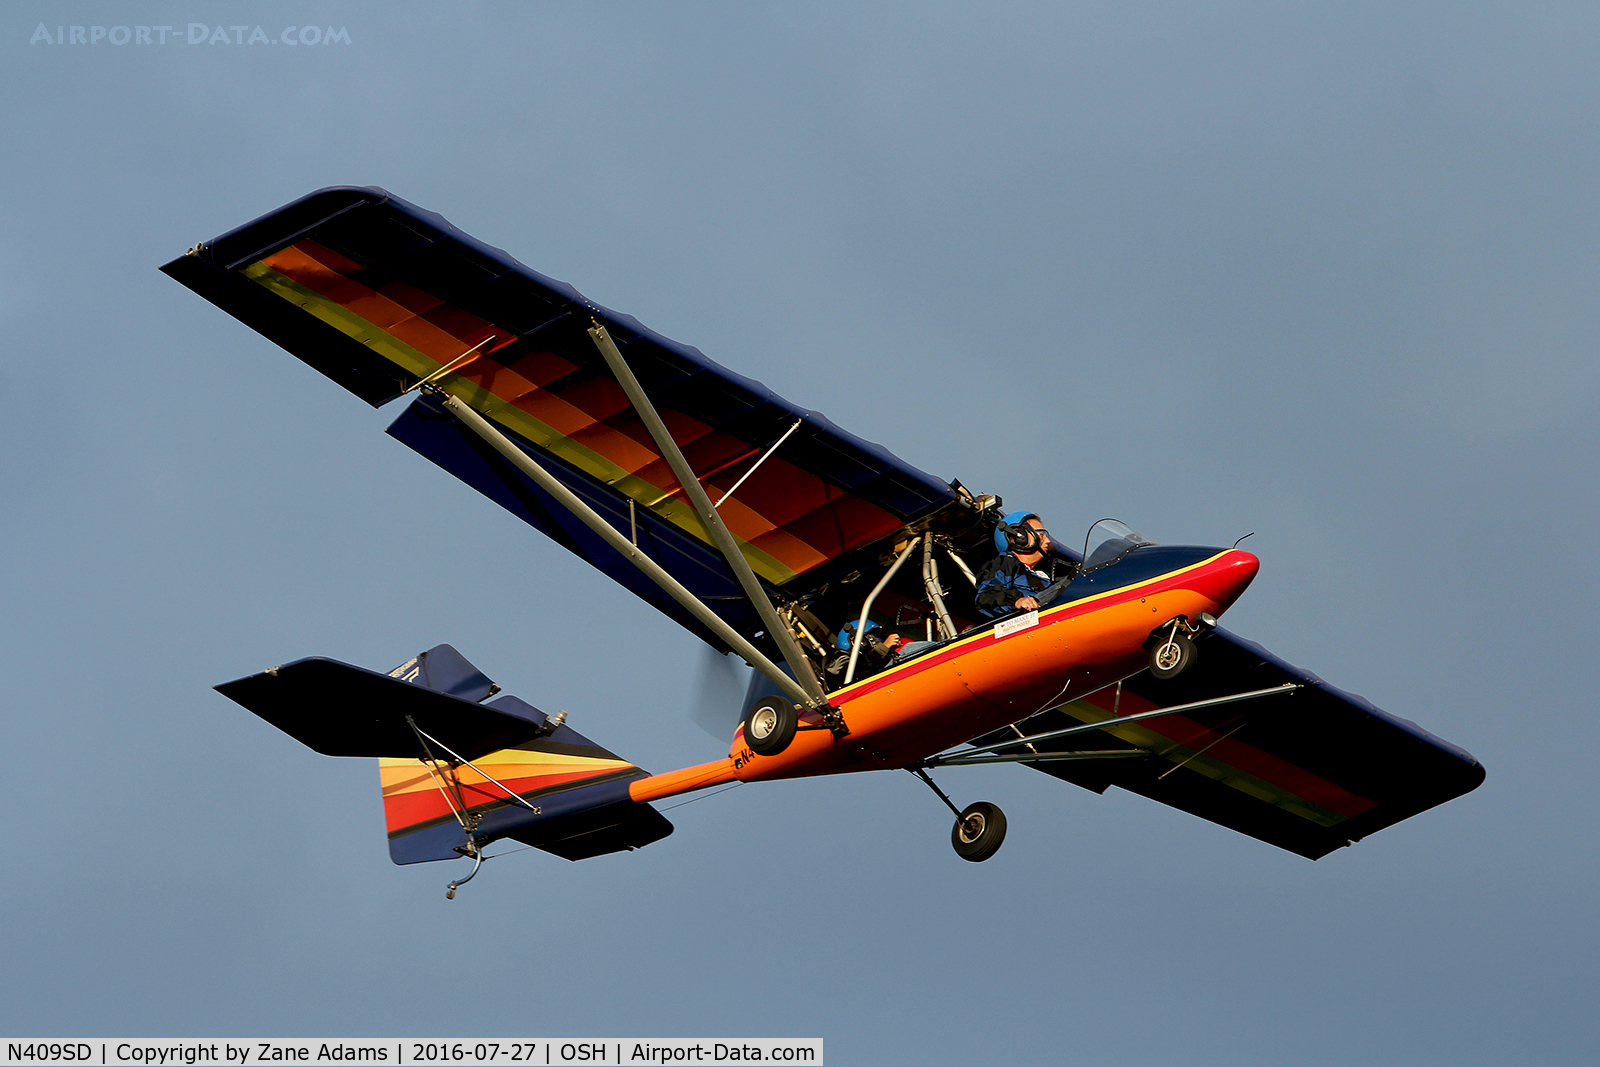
[1015, 535]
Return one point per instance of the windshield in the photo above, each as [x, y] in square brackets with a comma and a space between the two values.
[1108, 541]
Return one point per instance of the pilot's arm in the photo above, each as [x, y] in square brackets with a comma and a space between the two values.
[1003, 587]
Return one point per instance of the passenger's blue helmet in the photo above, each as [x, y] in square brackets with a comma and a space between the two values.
[847, 633]
[1014, 535]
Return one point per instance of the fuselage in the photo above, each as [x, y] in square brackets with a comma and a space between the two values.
[1095, 635]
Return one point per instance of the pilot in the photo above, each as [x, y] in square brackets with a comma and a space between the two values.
[1011, 581]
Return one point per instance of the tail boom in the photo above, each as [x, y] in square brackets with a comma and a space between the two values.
[685, 780]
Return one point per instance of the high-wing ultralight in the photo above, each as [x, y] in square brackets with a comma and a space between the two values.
[778, 537]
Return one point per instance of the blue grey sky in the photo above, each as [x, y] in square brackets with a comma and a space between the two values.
[1325, 272]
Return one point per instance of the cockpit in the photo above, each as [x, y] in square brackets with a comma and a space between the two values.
[905, 597]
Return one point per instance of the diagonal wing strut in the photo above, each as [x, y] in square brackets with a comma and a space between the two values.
[629, 551]
[714, 526]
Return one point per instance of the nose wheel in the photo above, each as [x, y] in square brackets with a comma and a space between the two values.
[1173, 651]
[979, 831]
[1172, 656]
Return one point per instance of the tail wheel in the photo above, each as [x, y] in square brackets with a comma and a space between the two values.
[979, 832]
[769, 727]
[1172, 655]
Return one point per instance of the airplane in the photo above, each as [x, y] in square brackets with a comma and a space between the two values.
[780, 539]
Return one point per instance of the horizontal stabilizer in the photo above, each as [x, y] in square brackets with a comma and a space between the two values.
[620, 828]
[576, 812]
[341, 710]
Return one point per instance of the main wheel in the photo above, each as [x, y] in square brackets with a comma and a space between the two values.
[979, 832]
[1172, 655]
[769, 727]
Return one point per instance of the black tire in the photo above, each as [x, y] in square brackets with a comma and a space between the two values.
[1171, 656]
[979, 833]
[769, 727]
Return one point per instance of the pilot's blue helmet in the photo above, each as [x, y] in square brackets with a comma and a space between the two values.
[847, 633]
[1014, 535]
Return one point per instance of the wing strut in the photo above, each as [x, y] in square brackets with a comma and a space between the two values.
[652, 570]
[798, 663]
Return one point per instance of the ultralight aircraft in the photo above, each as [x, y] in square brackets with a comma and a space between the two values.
[777, 537]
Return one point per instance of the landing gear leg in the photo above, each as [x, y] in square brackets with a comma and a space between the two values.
[979, 830]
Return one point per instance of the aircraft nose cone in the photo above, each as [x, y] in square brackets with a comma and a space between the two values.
[1236, 570]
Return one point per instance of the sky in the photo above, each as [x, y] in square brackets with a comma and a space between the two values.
[1327, 273]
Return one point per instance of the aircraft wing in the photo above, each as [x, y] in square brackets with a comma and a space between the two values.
[1309, 771]
[378, 294]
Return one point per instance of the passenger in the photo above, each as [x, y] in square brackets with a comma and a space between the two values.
[1011, 581]
[877, 649]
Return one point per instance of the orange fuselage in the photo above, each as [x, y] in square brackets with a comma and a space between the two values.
[980, 683]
